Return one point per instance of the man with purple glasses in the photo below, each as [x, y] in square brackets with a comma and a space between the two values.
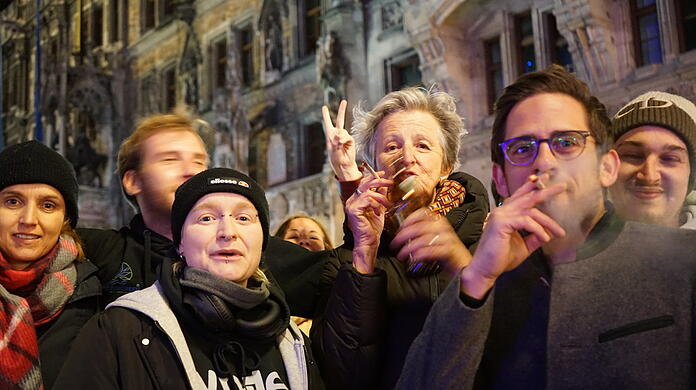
[560, 293]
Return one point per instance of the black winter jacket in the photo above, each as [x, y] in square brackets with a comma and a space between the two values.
[57, 336]
[369, 322]
[127, 258]
[125, 362]
[137, 355]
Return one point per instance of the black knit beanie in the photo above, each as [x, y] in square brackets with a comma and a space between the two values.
[662, 109]
[33, 162]
[217, 180]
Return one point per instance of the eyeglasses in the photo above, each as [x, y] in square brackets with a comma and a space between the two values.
[565, 145]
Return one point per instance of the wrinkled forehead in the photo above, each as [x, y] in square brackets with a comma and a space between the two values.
[407, 124]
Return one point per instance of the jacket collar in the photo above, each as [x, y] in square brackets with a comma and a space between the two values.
[603, 234]
[158, 243]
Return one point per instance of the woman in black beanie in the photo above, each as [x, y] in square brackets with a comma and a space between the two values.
[47, 290]
[212, 319]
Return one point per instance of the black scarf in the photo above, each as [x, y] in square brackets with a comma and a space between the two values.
[231, 315]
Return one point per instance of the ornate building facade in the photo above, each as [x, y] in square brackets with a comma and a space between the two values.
[621, 48]
[258, 71]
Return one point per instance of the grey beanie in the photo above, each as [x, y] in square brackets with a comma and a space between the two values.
[662, 109]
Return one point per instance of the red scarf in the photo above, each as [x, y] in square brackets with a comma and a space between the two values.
[29, 298]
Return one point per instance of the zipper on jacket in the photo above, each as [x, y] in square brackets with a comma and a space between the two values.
[637, 327]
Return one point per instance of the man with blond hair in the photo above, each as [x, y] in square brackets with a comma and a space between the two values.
[164, 151]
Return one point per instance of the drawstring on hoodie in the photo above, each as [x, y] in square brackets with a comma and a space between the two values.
[225, 355]
[147, 265]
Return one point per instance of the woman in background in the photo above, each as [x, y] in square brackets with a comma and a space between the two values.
[306, 232]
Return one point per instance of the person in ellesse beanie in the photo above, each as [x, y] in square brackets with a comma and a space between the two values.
[655, 137]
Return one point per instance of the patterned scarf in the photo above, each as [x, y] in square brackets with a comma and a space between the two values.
[450, 195]
[29, 298]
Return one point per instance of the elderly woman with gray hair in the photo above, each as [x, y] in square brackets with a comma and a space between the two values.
[409, 221]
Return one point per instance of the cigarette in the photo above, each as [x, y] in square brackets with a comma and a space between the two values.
[537, 181]
[397, 173]
[408, 194]
[369, 168]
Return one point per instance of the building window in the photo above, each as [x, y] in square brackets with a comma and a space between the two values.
[246, 55]
[97, 24]
[309, 26]
[149, 96]
[314, 153]
[402, 71]
[84, 32]
[149, 11]
[169, 88]
[646, 32]
[524, 35]
[168, 8]
[156, 12]
[687, 19]
[16, 82]
[557, 46]
[114, 22]
[219, 50]
[494, 71]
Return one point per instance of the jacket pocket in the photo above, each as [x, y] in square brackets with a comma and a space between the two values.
[637, 327]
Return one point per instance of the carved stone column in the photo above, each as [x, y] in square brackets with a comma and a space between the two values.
[587, 28]
[429, 46]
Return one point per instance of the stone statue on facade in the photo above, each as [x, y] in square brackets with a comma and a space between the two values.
[274, 43]
[188, 69]
[87, 162]
[332, 69]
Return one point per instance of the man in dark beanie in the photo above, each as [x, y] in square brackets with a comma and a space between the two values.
[655, 136]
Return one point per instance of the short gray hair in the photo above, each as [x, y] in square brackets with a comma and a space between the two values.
[440, 105]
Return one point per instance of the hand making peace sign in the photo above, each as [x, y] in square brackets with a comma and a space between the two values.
[340, 145]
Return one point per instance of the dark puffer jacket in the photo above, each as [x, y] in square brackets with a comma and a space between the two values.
[369, 321]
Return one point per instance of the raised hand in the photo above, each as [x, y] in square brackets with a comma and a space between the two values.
[365, 215]
[502, 247]
[425, 236]
[340, 145]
